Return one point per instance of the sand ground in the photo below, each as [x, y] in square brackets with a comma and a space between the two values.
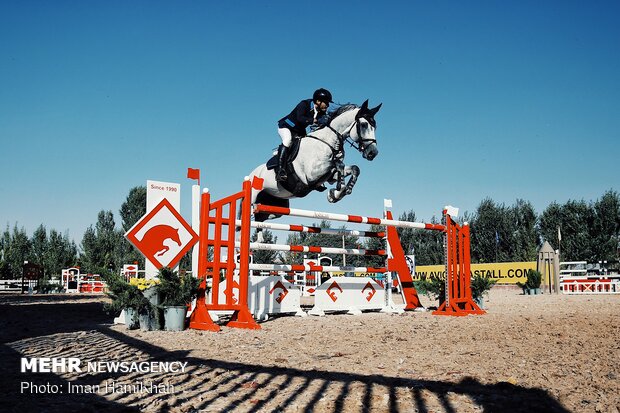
[543, 353]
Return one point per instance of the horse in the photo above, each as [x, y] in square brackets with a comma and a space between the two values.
[320, 160]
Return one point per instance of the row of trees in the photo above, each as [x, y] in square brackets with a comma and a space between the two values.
[103, 245]
[52, 250]
[499, 233]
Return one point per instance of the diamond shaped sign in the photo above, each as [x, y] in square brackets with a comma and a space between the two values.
[162, 235]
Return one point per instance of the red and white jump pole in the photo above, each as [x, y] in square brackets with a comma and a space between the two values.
[314, 230]
[345, 218]
[313, 249]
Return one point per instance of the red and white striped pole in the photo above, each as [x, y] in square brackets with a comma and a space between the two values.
[345, 218]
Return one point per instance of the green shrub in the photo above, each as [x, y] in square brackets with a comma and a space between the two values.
[432, 287]
[481, 284]
[125, 295]
[534, 280]
[175, 290]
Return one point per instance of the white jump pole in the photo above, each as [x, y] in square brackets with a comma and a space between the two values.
[313, 230]
[195, 226]
[346, 218]
[312, 249]
[313, 268]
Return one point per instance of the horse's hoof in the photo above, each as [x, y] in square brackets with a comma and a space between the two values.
[330, 197]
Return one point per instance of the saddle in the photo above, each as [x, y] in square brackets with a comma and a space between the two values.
[293, 184]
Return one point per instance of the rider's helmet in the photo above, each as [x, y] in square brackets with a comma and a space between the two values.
[323, 95]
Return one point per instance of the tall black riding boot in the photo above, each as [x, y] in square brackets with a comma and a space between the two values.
[282, 155]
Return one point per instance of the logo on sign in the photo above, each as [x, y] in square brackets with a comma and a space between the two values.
[282, 294]
[156, 241]
[162, 235]
[371, 293]
[331, 291]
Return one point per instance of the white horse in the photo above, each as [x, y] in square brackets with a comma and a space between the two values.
[321, 159]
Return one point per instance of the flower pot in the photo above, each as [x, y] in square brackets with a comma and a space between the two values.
[147, 323]
[152, 295]
[175, 318]
[480, 302]
[537, 291]
[157, 320]
[131, 319]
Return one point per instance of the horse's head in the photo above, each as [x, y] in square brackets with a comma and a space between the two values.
[364, 132]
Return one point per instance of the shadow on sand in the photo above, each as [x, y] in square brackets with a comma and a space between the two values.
[216, 385]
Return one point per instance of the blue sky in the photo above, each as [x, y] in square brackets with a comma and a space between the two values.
[481, 99]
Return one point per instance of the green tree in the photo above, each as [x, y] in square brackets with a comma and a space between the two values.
[19, 249]
[427, 246]
[490, 232]
[61, 253]
[525, 239]
[39, 245]
[6, 273]
[606, 227]
[133, 208]
[90, 255]
[131, 211]
[576, 222]
[101, 246]
[549, 222]
[576, 227]
[409, 237]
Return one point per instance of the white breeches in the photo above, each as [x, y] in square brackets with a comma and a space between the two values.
[286, 136]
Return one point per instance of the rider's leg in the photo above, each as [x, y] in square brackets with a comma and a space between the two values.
[287, 139]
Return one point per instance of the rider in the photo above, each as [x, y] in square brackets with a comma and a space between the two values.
[307, 112]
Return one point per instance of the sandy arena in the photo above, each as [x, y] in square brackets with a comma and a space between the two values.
[527, 354]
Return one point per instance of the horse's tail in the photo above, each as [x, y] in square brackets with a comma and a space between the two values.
[267, 199]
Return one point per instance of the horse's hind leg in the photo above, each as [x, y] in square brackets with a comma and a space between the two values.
[336, 195]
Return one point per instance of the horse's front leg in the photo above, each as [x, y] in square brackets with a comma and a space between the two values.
[338, 176]
[336, 195]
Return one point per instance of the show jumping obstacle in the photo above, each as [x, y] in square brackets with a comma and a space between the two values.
[219, 261]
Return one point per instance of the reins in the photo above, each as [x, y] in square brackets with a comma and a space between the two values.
[360, 146]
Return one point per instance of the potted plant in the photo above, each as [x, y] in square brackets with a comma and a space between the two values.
[175, 293]
[151, 318]
[479, 286]
[128, 298]
[532, 284]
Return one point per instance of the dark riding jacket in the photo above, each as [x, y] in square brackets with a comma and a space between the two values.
[300, 118]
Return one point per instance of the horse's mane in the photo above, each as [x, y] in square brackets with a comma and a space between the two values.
[345, 107]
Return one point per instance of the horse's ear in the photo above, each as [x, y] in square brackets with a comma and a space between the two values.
[364, 106]
[374, 111]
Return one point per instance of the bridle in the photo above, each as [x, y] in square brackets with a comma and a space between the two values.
[361, 144]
